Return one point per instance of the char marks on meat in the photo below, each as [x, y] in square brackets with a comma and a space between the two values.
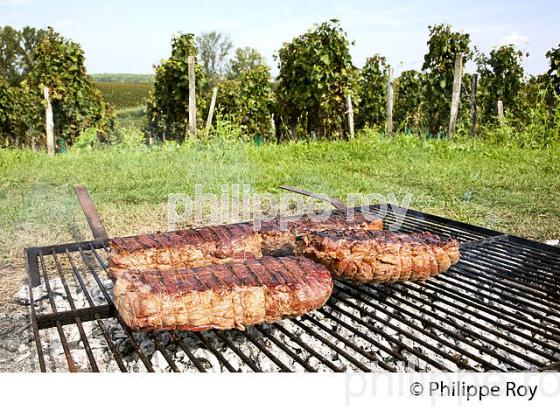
[281, 240]
[220, 244]
[380, 256]
[225, 296]
[184, 248]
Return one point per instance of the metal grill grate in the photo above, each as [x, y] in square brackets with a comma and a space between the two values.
[497, 309]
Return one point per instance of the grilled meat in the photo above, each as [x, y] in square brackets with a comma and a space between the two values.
[184, 248]
[226, 296]
[278, 241]
[380, 256]
[218, 244]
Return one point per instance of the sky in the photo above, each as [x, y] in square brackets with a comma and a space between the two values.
[131, 36]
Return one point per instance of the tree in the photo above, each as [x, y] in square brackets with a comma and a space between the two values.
[213, 51]
[316, 74]
[501, 78]
[439, 65]
[10, 55]
[30, 37]
[245, 58]
[373, 92]
[168, 104]
[408, 100]
[17, 52]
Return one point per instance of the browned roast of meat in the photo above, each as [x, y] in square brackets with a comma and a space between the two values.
[278, 241]
[219, 244]
[226, 296]
[184, 248]
[380, 256]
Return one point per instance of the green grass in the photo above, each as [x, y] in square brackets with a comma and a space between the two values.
[124, 95]
[504, 188]
[132, 117]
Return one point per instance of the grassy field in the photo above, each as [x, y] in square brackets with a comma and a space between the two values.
[132, 117]
[504, 188]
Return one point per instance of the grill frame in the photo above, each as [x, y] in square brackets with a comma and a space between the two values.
[491, 261]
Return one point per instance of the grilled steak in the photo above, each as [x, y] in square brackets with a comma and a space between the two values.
[226, 296]
[218, 244]
[278, 241]
[380, 256]
[184, 248]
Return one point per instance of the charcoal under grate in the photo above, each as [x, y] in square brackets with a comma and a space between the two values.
[498, 309]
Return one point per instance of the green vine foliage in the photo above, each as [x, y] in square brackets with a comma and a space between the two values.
[501, 78]
[553, 72]
[373, 92]
[408, 101]
[228, 99]
[168, 104]
[315, 75]
[551, 81]
[439, 66]
[58, 64]
[543, 89]
[77, 103]
[20, 115]
[246, 100]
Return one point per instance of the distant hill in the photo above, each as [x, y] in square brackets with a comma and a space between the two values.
[123, 78]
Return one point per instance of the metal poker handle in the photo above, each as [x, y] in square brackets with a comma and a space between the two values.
[93, 219]
[337, 203]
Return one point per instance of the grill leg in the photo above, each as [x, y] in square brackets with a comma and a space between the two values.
[32, 268]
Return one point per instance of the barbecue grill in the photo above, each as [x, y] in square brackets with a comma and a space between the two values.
[498, 309]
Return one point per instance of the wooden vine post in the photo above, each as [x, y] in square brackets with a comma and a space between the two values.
[455, 97]
[501, 120]
[473, 103]
[192, 96]
[350, 115]
[389, 108]
[49, 122]
[211, 110]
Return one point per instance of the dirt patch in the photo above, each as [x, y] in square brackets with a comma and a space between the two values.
[12, 277]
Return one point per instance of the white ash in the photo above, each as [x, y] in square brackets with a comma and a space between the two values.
[39, 292]
[158, 362]
[23, 357]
